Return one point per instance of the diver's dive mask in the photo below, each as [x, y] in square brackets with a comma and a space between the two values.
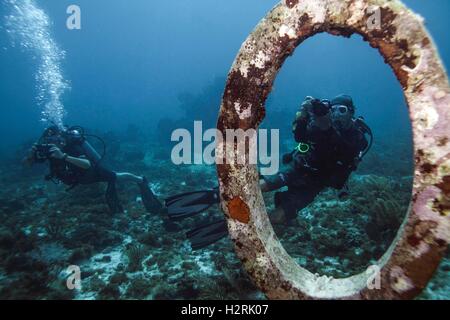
[341, 116]
[341, 109]
[74, 135]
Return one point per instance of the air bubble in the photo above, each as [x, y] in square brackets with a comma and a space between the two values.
[29, 25]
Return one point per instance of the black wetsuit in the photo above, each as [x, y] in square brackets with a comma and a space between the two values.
[328, 163]
[73, 175]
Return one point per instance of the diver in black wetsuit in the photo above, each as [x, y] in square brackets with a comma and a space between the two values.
[331, 144]
[73, 161]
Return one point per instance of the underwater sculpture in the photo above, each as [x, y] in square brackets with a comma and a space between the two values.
[406, 46]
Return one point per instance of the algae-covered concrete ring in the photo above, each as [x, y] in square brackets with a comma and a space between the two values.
[402, 40]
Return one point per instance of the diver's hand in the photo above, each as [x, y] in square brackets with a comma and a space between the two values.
[319, 108]
[56, 153]
[315, 107]
[29, 159]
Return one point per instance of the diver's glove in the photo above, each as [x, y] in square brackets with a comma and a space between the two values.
[319, 108]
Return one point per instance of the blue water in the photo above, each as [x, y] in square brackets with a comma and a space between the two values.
[147, 66]
[134, 60]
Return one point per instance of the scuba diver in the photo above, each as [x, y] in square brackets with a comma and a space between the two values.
[73, 161]
[331, 143]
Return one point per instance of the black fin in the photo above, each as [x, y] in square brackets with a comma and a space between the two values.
[112, 200]
[188, 204]
[150, 201]
[207, 234]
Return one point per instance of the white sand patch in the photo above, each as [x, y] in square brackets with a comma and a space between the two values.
[205, 263]
[108, 268]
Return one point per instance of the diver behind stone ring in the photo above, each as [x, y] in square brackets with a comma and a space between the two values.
[73, 161]
[331, 144]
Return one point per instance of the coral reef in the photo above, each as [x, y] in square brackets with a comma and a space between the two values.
[342, 237]
[137, 255]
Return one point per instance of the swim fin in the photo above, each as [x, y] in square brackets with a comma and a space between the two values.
[151, 203]
[207, 234]
[112, 200]
[188, 204]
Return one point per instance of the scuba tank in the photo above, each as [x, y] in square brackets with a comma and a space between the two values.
[91, 153]
[76, 135]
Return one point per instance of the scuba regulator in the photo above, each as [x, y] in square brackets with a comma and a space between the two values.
[365, 129]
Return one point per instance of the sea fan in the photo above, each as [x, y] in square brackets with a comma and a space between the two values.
[135, 254]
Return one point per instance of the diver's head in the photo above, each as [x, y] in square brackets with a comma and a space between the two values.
[74, 135]
[342, 112]
[51, 131]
